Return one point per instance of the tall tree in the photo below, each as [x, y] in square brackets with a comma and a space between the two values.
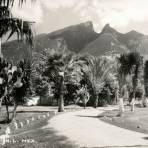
[97, 70]
[11, 25]
[55, 67]
[145, 83]
[129, 64]
[100, 70]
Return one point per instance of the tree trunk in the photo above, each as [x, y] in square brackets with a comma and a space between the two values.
[1, 100]
[133, 104]
[135, 83]
[144, 102]
[61, 99]
[145, 98]
[14, 110]
[61, 104]
[29, 53]
[116, 95]
[84, 103]
[7, 110]
[1, 55]
[96, 101]
[120, 95]
[0, 47]
[121, 106]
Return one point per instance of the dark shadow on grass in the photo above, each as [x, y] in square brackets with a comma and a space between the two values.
[40, 132]
[4, 121]
[138, 105]
[146, 138]
[34, 111]
[99, 116]
[130, 146]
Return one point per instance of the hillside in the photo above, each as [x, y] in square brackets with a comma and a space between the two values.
[110, 40]
[81, 38]
[105, 43]
[74, 38]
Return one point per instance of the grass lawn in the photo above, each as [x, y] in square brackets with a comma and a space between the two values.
[137, 120]
[38, 137]
[20, 116]
[34, 135]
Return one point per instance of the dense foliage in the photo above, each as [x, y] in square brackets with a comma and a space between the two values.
[15, 83]
[97, 74]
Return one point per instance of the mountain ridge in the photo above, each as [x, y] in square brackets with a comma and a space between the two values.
[81, 38]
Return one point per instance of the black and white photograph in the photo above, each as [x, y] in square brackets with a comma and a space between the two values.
[73, 73]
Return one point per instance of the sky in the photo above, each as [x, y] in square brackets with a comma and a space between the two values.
[50, 15]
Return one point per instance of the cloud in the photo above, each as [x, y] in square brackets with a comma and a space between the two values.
[55, 4]
[29, 11]
[116, 12]
[119, 13]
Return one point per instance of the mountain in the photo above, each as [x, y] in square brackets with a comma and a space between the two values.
[81, 38]
[110, 40]
[106, 42]
[75, 38]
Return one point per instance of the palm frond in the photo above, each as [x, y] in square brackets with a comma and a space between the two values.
[9, 3]
[14, 25]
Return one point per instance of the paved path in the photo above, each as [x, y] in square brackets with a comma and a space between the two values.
[85, 128]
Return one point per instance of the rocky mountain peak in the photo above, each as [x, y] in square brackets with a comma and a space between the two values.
[85, 27]
[134, 34]
[88, 25]
[76, 36]
[108, 29]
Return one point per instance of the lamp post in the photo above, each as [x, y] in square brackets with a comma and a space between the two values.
[61, 92]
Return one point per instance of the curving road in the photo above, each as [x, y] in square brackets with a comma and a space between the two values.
[85, 128]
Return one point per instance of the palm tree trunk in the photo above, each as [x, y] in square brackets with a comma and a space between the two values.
[7, 110]
[135, 82]
[123, 95]
[145, 98]
[95, 95]
[116, 95]
[1, 100]
[133, 102]
[96, 101]
[61, 104]
[29, 53]
[61, 99]
[0, 47]
[144, 101]
[84, 103]
[14, 110]
[121, 106]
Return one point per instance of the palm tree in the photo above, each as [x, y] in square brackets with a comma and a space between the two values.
[129, 64]
[145, 83]
[100, 70]
[78, 67]
[55, 69]
[97, 70]
[11, 25]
